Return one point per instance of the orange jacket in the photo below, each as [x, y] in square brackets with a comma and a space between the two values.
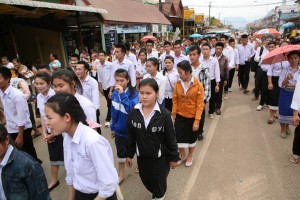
[190, 105]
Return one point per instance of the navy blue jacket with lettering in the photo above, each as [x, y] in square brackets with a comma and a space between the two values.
[156, 141]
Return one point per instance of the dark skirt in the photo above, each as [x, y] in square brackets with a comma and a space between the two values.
[273, 95]
[185, 135]
[296, 143]
[56, 151]
[285, 101]
[154, 173]
[120, 142]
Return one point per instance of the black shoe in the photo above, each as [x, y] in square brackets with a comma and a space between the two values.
[53, 186]
[218, 111]
[200, 137]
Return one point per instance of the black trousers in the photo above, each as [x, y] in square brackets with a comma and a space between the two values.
[261, 85]
[168, 104]
[296, 143]
[244, 72]
[230, 79]
[98, 120]
[212, 100]
[219, 95]
[27, 142]
[83, 196]
[31, 114]
[202, 120]
[108, 103]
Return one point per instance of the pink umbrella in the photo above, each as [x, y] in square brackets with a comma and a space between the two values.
[263, 32]
[280, 54]
[148, 37]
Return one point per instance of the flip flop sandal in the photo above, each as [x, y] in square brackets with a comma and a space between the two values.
[270, 121]
[294, 160]
[136, 170]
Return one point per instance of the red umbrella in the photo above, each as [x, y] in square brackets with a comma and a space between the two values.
[148, 37]
[263, 32]
[280, 54]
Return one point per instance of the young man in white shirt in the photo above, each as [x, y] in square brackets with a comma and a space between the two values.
[214, 71]
[123, 63]
[89, 86]
[130, 56]
[178, 55]
[213, 42]
[16, 113]
[229, 53]
[74, 58]
[235, 66]
[104, 76]
[150, 52]
[167, 47]
[95, 65]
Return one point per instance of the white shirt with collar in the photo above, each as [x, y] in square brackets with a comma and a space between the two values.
[258, 58]
[179, 59]
[95, 65]
[229, 53]
[214, 70]
[161, 82]
[132, 58]
[153, 54]
[141, 68]
[128, 66]
[186, 88]
[87, 106]
[89, 162]
[163, 57]
[16, 109]
[41, 101]
[172, 78]
[90, 91]
[147, 120]
[296, 97]
[104, 74]
[2, 164]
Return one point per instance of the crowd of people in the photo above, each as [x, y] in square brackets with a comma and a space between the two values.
[155, 100]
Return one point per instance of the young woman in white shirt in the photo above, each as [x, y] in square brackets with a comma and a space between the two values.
[172, 77]
[141, 66]
[42, 83]
[65, 80]
[91, 174]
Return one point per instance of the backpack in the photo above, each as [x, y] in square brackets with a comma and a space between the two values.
[253, 63]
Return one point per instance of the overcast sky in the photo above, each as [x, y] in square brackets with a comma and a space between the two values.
[249, 13]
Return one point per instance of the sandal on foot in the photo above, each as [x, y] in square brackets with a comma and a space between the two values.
[270, 121]
[136, 170]
[293, 159]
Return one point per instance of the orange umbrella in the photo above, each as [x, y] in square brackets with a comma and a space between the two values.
[148, 37]
[280, 54]
[263, 32]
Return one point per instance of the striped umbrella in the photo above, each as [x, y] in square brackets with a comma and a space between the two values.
[263, 32]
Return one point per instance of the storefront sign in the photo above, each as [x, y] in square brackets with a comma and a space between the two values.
[189, 14]
[155, 28]
[113, 37]
[199, 18]
[164, 28]
[125, 28]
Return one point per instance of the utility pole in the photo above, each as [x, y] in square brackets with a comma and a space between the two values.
[160, 6]
[209, 13]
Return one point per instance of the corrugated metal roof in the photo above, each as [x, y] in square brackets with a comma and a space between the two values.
[129, 11]
[56, 6]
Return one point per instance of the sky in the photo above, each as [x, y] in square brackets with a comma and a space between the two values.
[248, 9]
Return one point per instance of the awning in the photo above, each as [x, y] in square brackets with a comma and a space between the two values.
[128, 11]
[55, 6]
[288, 25]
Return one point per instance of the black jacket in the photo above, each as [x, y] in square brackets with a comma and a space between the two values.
[156, 141]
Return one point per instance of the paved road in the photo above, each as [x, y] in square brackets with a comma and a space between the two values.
[241, 158]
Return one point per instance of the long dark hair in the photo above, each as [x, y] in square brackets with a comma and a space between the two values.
[62, 103]
[124, 74]
[154, 61]
[168, 58]
[150, 82]
[68, 75]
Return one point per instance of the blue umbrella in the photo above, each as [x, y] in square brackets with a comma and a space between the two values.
[196, 35]
[288, 25]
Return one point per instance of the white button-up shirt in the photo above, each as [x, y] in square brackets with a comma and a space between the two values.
[172, 77]
[104, 74]
[16, 109]
[214, 70]
[179, 59]
[186, 88]
[153, 54]
[141, 68]
[89, 162]
[132, 58]
[90, 91]
[258, 58]
[41, 101]
[2, 164]
[128, 66]
[296, 98]
[245, 53]
[284, 73]
[161, 82]
[229, 53]
[95, 65]
[275, 69]
[87, 106]
[147, 120]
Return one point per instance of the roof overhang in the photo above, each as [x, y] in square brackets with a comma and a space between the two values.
[55, 6]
